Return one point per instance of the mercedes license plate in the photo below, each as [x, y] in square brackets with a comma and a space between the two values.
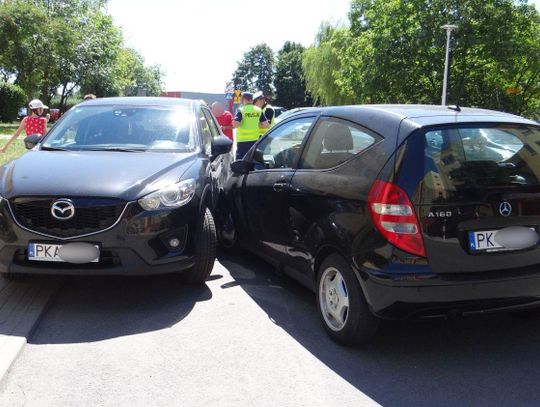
[485, 241]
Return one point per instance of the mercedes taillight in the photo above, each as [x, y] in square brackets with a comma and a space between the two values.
[394, 216]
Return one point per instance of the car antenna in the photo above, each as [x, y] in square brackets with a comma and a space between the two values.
[454, 107]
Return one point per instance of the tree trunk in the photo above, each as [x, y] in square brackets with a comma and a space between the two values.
[63, 98]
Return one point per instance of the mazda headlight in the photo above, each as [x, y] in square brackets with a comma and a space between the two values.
[173, 196]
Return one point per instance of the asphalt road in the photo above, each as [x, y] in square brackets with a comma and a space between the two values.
[251, 338]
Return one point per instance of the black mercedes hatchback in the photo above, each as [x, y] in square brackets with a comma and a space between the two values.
[118, 186]
[394, 212]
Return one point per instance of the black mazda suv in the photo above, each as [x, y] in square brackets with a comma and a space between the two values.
[394, 211]
[118, 186]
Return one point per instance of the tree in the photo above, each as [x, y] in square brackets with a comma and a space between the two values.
[322, 65]
[24, 43]
[256, 70]
[12, 98]
[139, 77]
[89, 52]
[69, 8]
[289, 80]
[394, 53]
[50, 46]
[128, 76]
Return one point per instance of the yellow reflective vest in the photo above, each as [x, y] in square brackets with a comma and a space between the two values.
[262, 131]
[249, 126]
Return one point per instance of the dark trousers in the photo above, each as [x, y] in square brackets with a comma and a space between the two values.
[242, 148]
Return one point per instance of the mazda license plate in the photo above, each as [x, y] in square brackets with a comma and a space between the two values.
[51, 252]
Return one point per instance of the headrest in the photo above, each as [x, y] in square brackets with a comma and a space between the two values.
[338, 137]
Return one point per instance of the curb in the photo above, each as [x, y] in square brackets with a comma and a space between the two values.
[22, 303]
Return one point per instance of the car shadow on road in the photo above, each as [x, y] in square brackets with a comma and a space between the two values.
[492, 360]
[95, 308]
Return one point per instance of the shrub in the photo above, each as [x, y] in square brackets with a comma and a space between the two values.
[12, 98]
[68, 104]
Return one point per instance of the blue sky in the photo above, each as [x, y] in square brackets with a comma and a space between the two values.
[199, 42]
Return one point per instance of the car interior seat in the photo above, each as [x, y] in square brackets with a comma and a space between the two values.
[337, 146]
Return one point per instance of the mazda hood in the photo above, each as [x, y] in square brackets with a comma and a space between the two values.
[124, 175]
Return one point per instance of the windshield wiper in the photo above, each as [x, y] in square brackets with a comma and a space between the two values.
[49, 148]
[116, 149]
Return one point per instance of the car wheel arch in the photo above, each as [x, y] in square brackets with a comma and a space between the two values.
[326, 251]
[206, 199]
[322, 253]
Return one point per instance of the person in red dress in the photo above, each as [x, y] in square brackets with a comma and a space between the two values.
[33, 124]
[224, 119]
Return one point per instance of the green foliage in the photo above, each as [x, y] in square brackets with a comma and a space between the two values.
[289, 79]
[256, 70]
[51, 45]
[322, 66]
[86, 48]
[259, 70]
[68, 102]
[24, 43]
[394, 53]
[12, 98]
[128, 76]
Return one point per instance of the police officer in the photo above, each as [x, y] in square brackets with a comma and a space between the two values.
[260, 101]
[248, 122]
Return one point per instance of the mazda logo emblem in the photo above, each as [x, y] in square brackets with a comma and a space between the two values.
[63, 209]
[505, 209]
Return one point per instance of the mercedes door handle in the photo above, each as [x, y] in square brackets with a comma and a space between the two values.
[280, 186]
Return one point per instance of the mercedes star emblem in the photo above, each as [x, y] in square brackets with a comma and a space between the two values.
[63, 209]
[505, 209]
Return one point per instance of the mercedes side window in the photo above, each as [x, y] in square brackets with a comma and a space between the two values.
[281, 147]
[335, 141]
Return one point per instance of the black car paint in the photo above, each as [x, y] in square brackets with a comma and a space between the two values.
[137, 244]
[319, 212]
[477, 210]
[88, 173]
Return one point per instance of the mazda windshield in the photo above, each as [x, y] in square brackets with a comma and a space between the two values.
[124, 128]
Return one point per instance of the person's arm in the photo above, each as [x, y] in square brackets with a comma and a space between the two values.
[263, 122]
[17, 134]
[47, 119]
[237, 119]
[269, 113]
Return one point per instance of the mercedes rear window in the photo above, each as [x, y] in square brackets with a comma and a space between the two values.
[475, 158]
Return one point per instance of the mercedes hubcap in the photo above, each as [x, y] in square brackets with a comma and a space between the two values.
[334, 299]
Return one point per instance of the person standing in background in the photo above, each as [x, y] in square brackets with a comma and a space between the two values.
[32, 124]
[248, 122]
[224, 118]
[259, 100]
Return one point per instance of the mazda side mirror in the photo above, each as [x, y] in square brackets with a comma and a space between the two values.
[242, 167]
[31, 141]
[221, 145]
